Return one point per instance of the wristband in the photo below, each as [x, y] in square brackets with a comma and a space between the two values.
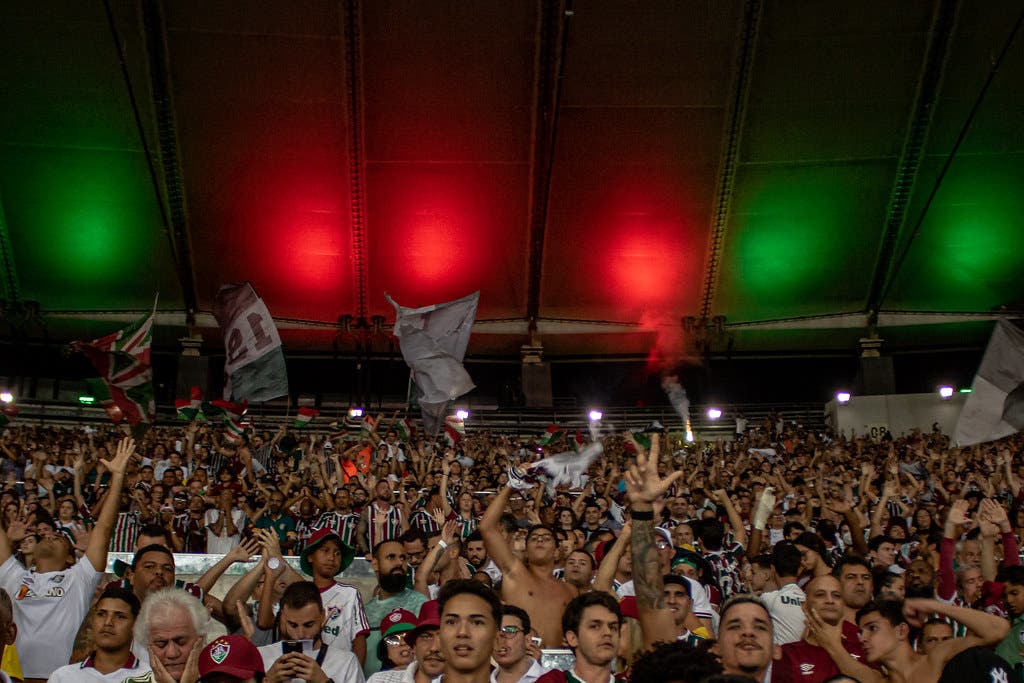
[642, 515]
[441, 543]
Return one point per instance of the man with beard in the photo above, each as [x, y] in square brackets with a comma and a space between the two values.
[300, 618]
[806, 660]
[591, 623]
[389, 564]
[476, 555]
[112, 622]
[381, 521]
[920, 579]
[274, 517]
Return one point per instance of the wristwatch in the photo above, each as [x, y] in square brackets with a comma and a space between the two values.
[274, 563]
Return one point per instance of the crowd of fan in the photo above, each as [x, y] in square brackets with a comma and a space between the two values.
[781, 555]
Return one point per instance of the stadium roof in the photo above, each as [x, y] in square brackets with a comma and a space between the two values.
[771, 172]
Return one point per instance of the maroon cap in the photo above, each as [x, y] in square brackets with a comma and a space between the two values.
[396, 621]
[629, 607]
[430, 617]
[232, 655]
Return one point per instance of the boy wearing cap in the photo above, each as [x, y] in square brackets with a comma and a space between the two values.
[300, 620]
[112, 661]
[346, 626]
[230, 659]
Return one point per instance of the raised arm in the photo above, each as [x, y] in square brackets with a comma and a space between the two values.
[431, 559]
[490, 528]
[605, 579]
[983, 629]
[99, 539]
[735, 521]
[644, 487]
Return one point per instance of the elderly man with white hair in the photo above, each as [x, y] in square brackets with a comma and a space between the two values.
[169, 634]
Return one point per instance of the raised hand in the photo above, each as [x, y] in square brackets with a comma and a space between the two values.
[448, 531]
[643, 484]
[438, 515]
[119, 463]
[244, 620]
[957, 513]
[245, 550]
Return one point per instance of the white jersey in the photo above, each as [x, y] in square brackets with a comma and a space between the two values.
[346, 618]
[340, 667]
[48, 609]
[85, 672]
[786, 606]
[220, 545]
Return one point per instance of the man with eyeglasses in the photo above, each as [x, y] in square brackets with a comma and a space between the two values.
[515, 665]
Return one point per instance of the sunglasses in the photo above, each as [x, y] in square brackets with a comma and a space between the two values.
[394, 641]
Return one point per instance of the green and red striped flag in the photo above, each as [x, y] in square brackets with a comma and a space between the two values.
[232, 414]
[336, 430]
[189, 409]
[405, 429]
[454, 430]
[576, 441]
[550, 434]
[305, 416]
[123, 360]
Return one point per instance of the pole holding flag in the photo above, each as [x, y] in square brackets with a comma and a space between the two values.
[433, 340]
[254, 369]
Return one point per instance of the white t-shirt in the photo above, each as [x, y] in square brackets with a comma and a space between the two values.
[346, 617]
[532, 674]
[85, 672]
[340, 667]
[786, 606]
[219, 545]
[48, 609]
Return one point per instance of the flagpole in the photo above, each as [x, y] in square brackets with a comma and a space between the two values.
[408, 395]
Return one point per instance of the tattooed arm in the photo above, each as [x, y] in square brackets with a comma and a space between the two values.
[644, 487]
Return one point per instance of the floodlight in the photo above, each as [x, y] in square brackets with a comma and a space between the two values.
[843, 396]
[595, 415]
[462, 414]
[945, 392]
[355, 412]
[6, 397]
[714, 413]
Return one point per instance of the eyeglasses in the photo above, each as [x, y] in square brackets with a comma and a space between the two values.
[394, 641]
[662, 545]
[509, 632]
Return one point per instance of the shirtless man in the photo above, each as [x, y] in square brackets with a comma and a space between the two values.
[885, 633]
[531, 584]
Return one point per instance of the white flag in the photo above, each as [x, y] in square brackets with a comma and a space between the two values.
[433, 340]
[254, 369]
[995, 407]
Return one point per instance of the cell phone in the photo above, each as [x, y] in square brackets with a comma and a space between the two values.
[291, 646]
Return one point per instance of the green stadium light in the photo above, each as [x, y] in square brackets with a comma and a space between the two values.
[86, 400]
[965, 391]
